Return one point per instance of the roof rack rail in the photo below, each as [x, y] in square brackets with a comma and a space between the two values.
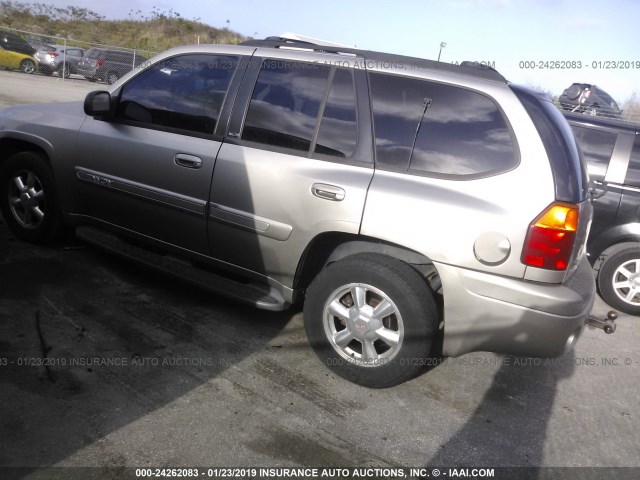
[473, 69]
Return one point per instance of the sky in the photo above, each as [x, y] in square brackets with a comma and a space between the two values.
[588, 41]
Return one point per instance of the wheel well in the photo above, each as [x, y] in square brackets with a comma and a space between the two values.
[610, 250]
[330, 247]
[11, 146]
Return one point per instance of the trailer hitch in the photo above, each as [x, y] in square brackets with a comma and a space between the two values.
[608, 324]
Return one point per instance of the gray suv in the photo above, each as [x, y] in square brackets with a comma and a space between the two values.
[414, 207]
[108, 65]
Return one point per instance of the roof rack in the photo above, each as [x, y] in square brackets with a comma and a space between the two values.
[473, 69]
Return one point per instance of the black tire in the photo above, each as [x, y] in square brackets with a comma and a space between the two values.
[64, 71]
[28, 198]
[619, 280]
[112, 77]
[410, 320]
[28, 66]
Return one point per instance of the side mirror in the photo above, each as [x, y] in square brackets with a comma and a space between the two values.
[98, 104]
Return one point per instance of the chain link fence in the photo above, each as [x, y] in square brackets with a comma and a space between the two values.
[67, 58]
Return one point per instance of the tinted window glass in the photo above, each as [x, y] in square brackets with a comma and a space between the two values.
[95, 54]
[633, 173]
[606, 98]
[122, 57]
[597, 147]
[338, 131]
[183, 92]
[285, 103]
[398, 104]
[462, 133]
[450, 130]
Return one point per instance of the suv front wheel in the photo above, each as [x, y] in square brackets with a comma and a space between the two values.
[28, 198]
[371, 319]
[619, 279]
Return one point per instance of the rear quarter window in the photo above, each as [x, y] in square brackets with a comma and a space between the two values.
[438, 130]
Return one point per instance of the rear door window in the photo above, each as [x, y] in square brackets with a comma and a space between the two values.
[285, 103]
[338, 132]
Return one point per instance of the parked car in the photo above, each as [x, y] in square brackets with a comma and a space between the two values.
[612, 152]
[13, 43]
[589, 99]
[17, 61]
[103, 64]
[61, 59]
[413, 206]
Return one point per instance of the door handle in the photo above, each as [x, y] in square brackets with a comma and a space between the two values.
[188, 161]
[328, 192]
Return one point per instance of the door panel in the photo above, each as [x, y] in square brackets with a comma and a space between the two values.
[298, 163]
[128, 176]
[264, 211]
[150, 170]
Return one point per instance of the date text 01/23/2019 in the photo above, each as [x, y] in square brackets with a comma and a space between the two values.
[579, 65]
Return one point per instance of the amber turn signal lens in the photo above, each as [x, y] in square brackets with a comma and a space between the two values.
[551, 236]
[560, 217]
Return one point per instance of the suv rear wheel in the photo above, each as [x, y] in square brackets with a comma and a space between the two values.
[112, 77]
[28, 199]
[64, 71]
[619, 280]
[371, 319]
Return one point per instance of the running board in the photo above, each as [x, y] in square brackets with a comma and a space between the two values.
[259, 295]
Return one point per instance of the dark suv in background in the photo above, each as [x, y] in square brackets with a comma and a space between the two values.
[589, 99]
[108, 65]
[612, 151]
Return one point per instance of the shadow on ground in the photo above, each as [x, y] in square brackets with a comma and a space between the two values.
[93, 343]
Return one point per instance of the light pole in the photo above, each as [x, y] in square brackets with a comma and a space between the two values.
[442, 45]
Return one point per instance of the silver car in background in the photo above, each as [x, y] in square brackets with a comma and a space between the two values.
[60, 59]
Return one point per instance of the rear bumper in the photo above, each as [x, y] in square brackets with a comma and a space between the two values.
[87, 71]
[484, 312]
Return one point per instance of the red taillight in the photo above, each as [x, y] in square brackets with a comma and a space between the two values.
[53, 55]
[551, 236]
[99, 63]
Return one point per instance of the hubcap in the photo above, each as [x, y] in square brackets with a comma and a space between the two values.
[363, 325]
[27, 200]
[626, 282]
